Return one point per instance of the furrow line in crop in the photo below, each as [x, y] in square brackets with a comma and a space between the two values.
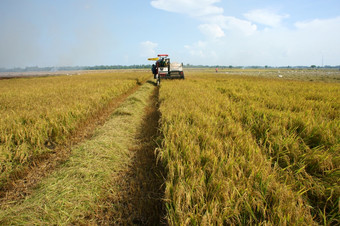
[112, 178]
[137, 193]
[20, 183]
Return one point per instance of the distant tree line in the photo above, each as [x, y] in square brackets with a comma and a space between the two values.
[75, 68]
[259, 67]
[147, 66]
[107, 67]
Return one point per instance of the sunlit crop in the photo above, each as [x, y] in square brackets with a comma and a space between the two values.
[38, 113]
[245, 149]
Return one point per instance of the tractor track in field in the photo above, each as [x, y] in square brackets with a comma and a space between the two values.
[140, 200]
[20, 184]
[133, 195]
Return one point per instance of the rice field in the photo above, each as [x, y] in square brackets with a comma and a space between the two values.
[250, 150]
[37, 114]
[237, 147]
[96, 185]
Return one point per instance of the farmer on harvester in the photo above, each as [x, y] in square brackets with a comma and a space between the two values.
[154, 71]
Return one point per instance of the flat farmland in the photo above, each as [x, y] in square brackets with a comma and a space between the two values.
[37, 114]
[249, 147]
[237, 147]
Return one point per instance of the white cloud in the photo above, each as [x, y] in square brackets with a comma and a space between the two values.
[195, 8]
[305, 44]
[319, 24]
[232, 24]
[234, 41]
[214, 22]
[199, 9]
[246, 27]
[211, 30]
[266, 17]
[318, 37]
[147, 49]
[201, 50]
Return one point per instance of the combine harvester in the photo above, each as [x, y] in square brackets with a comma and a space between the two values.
[164, 69]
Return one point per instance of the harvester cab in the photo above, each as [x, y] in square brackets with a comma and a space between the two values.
[164, 69]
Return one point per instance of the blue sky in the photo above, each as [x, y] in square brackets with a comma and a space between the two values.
[208, 32]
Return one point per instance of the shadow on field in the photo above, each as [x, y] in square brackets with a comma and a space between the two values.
[155, 84]
[149, 175]
[140, 201]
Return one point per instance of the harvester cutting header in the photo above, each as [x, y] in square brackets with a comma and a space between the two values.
[164, 69]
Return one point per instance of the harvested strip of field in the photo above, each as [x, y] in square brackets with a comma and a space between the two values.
[21, 184]
[38, 114]
[139, 199]
[82, 189]
[249, 150]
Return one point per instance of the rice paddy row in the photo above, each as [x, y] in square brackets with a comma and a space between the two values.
[237, 149]
[250, 150]
[90, 188]
[37, 114]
